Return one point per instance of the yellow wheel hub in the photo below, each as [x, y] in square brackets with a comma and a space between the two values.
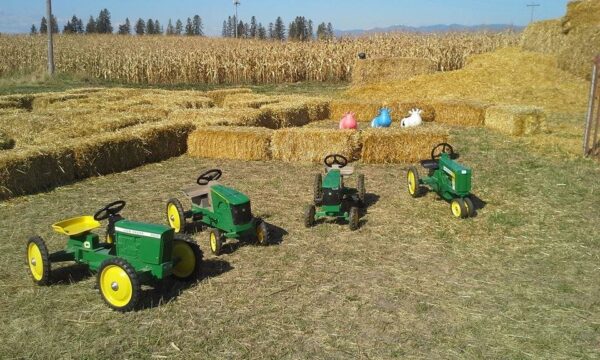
[412, 183]
[35, 261]
[213, 242]
[187, 259]
[456, 210]
[260, 234]
[116, 286]
[174, 219]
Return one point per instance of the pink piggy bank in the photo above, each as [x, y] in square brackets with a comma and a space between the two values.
[349, 122]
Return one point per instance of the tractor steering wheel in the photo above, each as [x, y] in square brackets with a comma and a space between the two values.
[109, 210]
[443, 148]
[210, 175]
[336, 159]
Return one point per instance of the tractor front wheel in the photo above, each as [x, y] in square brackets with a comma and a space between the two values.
[216, 241]
[354, 218]
[470, 207]
[360, 188]
[459, 209]
[175, 215]
[318, 189]
[413, 180]
[263, 235]
[119, 284]
[187, 257]
[309, 216]
[38, 260]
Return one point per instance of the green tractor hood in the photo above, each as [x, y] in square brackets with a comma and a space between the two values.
[230, 196]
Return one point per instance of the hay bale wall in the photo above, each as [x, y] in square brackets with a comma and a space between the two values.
[401, 110]
[248, 100]
[6, 142]
[313, 144]
[463, 113]
[515, 120]
[230, 142]
[365, 111]
[218, 96]
[285, 114]
[397, 145]
[379, 70]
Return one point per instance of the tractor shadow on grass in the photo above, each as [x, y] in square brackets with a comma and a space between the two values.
[277, 236]
[169, 289]
[478, 203]
[70, 274]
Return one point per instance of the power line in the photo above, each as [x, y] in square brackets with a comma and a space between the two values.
[533, 6]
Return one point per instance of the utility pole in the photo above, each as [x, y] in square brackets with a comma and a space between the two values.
[533, 6]
[50, 44]
[236, 3]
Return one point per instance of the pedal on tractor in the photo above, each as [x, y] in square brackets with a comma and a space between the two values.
[450, 180]
[224, 210]
[334, 200]
[133, 254]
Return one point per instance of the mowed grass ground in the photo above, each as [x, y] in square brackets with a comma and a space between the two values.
[520, 280]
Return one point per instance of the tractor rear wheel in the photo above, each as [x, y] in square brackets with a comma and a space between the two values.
[216, 241]
[353, 218]
[413, 180]
[470, 207]
[38, 260]
[175, 215]
[119, 284]
[188, 257]
[309, 216]
[318, 189]
[263, 233]
[360, 188]
[459, 208]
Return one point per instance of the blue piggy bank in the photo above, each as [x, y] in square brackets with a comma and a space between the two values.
[383, 120]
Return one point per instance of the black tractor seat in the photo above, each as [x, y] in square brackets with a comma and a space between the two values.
[430, 164]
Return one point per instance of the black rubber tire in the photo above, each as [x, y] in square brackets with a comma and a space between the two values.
[46, 266]
[266, 231]
[461, 206]
[309, 216]
[417, 191]
[470, 207]
[354, 218]
[198, 255]
[180, 213]
[360, 189]
[133, 277]
[217, 247]
[318, 189]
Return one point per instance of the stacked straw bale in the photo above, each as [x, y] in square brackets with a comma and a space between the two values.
[398, 145]
[364, 110]
[248, 100]
[459, 112]
[286, 114]
[515, 120]
[218, 96]
[222, 117]
[231, 142]
[6, 142]
[401, 110]
[43, 101]
[380, 70]
[313, 144]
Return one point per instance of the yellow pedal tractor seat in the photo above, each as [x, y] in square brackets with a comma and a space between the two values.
[76, 226]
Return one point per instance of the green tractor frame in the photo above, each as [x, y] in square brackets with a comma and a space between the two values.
[446, 177]
[132, 254]
[332, 199]
[225, 211]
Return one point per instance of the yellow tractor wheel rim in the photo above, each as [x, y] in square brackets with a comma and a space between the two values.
[174, 219]
[116, 286]
[411, 182]
[456, 210]
[260, 234]
[213, 242]
[35, 261]
[187, 259]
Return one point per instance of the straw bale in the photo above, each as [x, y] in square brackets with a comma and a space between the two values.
[285, 114]
[313, 144]
[581, 13]
[248, 100]
[544, 36]
[16, 101]
[401, 110]
[218, 96]
[318, 108]
[43, 101]
[222, 117]
[363, 109]
[163, 140]
[35, 170]
[515, 120]
[107, 154]
[390, 69]
[401, 145]
[583, 46]
[456, 112]
[6, 142]
[230, 142]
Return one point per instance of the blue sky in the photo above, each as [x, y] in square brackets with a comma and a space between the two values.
[18, 15]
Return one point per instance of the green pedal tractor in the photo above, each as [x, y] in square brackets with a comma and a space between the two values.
[446, 177]
[133, 254]
[334, 200]
[224, 210]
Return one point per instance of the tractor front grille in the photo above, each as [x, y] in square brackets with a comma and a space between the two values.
[242, 214]
[332, 197]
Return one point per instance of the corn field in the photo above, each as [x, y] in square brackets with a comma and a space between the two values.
[173, 60]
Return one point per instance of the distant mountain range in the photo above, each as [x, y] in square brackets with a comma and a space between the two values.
[431, 29]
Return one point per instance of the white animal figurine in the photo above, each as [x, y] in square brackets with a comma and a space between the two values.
[413, 120]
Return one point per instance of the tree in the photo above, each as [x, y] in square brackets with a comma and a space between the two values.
[158, 29]
[68, 28]
[279, 29]
[54, 25]
[197, 25]
[311, 33]
[103, 24]
[90, 28]
[330, 30]
[189, 27]
[324, 32]
[150, 28]
[125, 29]
[33, 30]
[261, 32]
[79, 26]
[270, 32]
[253, 31]
[140, 27]
[241, 29]
[43, 26]
[224, 30]
[178, 27]
[170, 29]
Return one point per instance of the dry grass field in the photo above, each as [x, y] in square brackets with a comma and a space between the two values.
[518, 281]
